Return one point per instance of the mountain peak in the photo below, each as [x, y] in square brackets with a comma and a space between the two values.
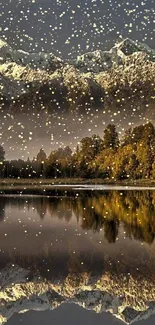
[129, 47]
[41, 61]
[95, 61]
[3, 43]
[98, 61]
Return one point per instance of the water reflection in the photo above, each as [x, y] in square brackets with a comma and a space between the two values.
[134, 210]
[95, 249]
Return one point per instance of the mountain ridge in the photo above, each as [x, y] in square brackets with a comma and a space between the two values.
[121, 75]
[37, 60]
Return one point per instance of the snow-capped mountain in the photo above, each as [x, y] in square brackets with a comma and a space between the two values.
[127, 299]
[95, 62]
[128, 47]
[99, 61]
[125, 74]
[41, 61]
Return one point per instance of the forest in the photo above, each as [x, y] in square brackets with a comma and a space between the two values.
[109, 157]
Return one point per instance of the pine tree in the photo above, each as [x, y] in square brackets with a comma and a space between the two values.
[2, 154]
[41, 156]
[111, 139]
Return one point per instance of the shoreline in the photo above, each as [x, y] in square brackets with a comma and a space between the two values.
[76, 181]
[51, 186]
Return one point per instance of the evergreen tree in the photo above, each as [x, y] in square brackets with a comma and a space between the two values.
[137, 133]
[128, 137]
[2, 154]
[97, 144]
[41, 159]
[41, 156]
[2, 158]
[111, 139]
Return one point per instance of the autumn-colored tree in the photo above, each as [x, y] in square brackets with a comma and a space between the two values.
[125, 163]
[103, 163]
[59, 162]
[90, 147]
[145, 158]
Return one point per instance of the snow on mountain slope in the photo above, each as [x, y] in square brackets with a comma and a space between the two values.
[95, 62]
[128, 47]
[43, 61]
[124, 73]
[98, 61]
[10, 88]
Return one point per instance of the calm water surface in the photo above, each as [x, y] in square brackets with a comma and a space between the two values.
[95, 249]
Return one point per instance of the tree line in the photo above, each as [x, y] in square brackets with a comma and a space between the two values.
[107, 157]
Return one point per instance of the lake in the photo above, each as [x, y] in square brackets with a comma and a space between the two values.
[79, 251]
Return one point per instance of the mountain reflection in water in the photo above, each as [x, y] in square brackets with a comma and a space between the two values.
[93, 248]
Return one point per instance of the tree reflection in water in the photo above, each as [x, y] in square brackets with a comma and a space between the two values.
[135, 210]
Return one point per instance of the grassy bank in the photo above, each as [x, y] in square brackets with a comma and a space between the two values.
[74, 181]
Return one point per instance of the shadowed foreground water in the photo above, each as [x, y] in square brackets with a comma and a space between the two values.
[70, 315]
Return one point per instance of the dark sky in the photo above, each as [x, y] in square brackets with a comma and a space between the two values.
[69, 27]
